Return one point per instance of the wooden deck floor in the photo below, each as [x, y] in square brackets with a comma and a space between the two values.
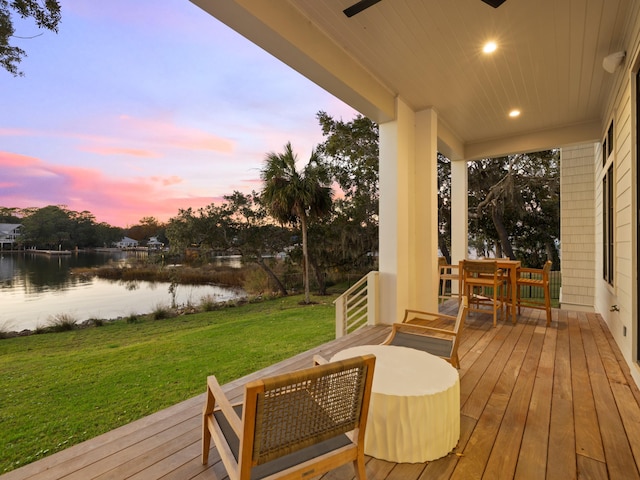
[536, 403]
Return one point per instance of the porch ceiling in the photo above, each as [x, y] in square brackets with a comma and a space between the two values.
[428, 52]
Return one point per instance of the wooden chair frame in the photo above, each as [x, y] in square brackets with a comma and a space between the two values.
[293, 426]
[451, 274]
[478, 275]
[443, 342]
[535, 277]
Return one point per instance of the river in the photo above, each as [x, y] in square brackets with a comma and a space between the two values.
[36, 287]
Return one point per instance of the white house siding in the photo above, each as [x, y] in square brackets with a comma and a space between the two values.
[577, 227]
[618, 303]
[9, 232]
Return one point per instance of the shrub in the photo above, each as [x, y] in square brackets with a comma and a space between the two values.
[41, 329]
[161, 312]
[6, 330]
[62, 322]
[132, 318]
[208, 303]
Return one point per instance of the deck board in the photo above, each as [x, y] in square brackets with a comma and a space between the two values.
[506, 449]
[481, 377]
[588, 439]
[481, 445]
[536, 402]
[535, 440]
[561, 456]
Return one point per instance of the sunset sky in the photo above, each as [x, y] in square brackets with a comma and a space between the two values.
[140, 108]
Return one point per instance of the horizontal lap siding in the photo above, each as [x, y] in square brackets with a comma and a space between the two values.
[619, 107]
[578, 225]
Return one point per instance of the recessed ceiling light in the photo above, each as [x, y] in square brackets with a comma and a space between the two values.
[514, 113]
[489, 47]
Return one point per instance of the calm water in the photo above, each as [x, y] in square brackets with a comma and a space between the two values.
[34, 287]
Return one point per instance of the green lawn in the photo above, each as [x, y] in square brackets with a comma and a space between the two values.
[59, 389]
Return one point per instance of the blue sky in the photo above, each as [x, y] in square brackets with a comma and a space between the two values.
[140, 108]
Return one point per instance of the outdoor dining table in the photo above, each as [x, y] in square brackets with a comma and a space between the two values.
[512, 267]
[414, 412]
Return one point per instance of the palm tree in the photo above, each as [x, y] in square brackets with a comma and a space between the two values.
[293, 196]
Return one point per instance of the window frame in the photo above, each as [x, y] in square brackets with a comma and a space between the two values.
[608, 206]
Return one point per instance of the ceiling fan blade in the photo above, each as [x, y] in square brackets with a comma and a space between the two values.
[494, 3]
[359, 6]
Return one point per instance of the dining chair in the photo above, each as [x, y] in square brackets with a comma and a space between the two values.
[448, 274]
[532, 278]
[484, 285]
[295, 425]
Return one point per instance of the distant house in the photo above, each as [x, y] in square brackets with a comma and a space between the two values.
[9, 232]
[127, 242]
[155, 244]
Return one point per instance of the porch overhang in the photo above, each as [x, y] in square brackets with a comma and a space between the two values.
[427, 54]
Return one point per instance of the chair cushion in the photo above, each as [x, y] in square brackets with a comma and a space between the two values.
[281, 463]
[435, 346]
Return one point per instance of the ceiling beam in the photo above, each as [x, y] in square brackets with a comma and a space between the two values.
[535, 141]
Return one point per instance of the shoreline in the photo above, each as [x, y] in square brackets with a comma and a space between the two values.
[167, 313]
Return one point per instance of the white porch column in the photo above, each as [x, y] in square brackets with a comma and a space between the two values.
[408, 213]
[459, 211]
[424, 254]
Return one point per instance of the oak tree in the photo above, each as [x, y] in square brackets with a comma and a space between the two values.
[45, 13]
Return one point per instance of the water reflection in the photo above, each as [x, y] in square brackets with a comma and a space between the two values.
[34, 287]
[40, 272]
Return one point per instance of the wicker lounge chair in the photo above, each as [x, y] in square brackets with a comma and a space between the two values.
[293, 425]
[443, 342]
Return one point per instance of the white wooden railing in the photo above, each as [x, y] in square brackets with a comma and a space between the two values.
[358, 306]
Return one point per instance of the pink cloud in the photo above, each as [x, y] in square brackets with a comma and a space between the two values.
[251, 184]
[132, 136]
[166, 181]
[161, 208]
[119, 201]
[9, 159]
[106, 151]
[162, 132]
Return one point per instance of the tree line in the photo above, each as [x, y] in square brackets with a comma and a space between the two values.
[56, 227]
[323, 215]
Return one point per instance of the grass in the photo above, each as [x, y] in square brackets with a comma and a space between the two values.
[60, 389]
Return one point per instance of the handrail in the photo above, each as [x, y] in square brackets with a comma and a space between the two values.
[357, 307]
